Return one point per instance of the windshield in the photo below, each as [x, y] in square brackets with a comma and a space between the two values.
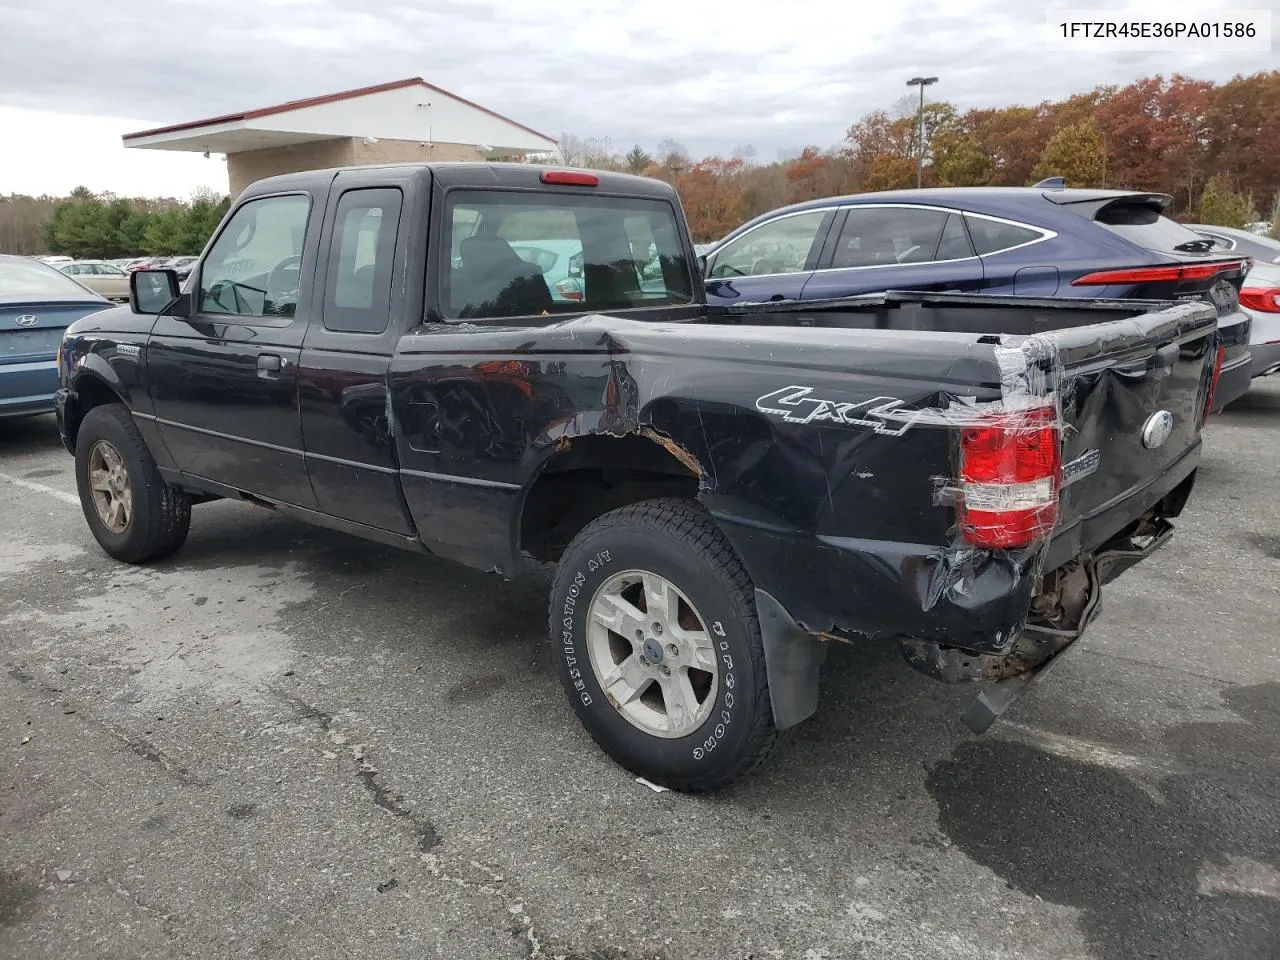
[27, 278]
[522, 254]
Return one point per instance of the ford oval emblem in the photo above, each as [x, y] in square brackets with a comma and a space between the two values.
[1157, 429]
[27, 320]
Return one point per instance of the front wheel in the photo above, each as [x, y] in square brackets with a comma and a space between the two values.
[133, 514]
[653, 617]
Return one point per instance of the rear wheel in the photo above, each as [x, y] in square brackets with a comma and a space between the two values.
[134, 515]
[654, 619]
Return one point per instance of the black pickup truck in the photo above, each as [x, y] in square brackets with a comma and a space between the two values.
[514, 366]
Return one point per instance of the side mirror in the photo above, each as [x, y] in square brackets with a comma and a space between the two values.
[153, 291]
[702, 265]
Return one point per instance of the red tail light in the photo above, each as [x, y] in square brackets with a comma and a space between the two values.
[569, 290]
[1010, 474]
[1213, 381]
[1191, 271]
[570, 178]
[1262, 299]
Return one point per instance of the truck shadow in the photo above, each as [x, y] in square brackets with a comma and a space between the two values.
[29, 435]
[1191, 873]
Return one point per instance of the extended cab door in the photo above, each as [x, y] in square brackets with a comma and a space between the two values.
[884, 246]
[371, 236]
[224, 380]
[770, 261]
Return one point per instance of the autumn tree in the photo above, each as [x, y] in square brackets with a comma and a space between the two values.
[1221, 206]
[1075, 154]
[711, 195]
[958, 160]
[1242, 127]
[805, 175]
[1013, 138]
[890, 173]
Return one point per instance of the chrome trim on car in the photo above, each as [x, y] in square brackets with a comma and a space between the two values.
[1045, 234]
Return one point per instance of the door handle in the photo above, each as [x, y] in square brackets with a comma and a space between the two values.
[268, 364]
[1165, 357]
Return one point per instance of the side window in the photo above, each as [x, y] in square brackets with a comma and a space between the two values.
[253, 267]
[875, 236]
[954, 244]
[779, 246]
[357, 295]
[992, 236]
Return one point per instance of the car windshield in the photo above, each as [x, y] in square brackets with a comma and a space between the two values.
[27, 278]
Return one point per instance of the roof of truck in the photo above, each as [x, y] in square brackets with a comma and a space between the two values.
[472, 174]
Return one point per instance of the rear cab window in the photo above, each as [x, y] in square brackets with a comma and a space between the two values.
[516, 254]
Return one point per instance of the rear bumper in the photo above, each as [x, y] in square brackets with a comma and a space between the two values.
[28, 388]
[943, 594]
[1233, 382]
[1266, 359]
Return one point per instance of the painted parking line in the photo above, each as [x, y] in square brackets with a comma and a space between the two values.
[34, 487]
[1083, 751]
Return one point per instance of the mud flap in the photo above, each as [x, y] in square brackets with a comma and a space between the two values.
[792, 660]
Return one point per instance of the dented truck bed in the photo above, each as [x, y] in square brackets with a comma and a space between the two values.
[958, 475]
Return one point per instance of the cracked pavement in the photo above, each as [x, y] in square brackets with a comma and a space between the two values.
[284, 743]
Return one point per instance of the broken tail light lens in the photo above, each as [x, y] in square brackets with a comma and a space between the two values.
[1010, 475]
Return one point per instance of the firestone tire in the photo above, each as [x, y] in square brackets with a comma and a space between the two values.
[675, 542]
[159, 515]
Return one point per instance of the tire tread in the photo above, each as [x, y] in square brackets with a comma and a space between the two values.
[688, 522]
[167, 510]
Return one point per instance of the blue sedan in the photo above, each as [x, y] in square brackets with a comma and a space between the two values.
[1042, 241]
[36, 304]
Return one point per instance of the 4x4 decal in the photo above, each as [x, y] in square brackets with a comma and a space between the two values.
[795, 405]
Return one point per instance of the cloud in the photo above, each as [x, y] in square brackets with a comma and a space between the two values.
[713, 74]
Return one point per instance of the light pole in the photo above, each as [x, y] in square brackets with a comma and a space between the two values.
[921, 82]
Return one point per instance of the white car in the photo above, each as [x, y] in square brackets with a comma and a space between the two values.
[1260, 299]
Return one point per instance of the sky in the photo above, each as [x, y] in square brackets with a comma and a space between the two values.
[712, 74]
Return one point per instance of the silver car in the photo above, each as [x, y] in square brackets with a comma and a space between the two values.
[1260, 299]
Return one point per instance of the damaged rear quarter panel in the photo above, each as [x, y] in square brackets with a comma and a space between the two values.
[836, 518]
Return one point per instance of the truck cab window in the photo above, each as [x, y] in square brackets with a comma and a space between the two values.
[517, 254]
[252, 270]
[358, 286]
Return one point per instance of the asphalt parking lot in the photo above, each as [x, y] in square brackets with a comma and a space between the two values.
[286, 743]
